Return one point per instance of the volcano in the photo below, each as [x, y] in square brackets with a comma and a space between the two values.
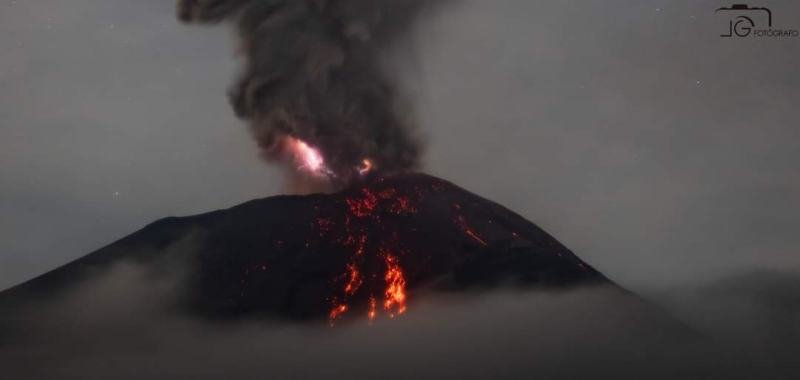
[363, 253]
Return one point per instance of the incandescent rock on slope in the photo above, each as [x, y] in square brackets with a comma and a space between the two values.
[365, 252]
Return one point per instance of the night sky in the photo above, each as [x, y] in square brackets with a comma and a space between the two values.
[658, 151]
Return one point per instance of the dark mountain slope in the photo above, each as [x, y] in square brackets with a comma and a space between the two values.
[364, 252]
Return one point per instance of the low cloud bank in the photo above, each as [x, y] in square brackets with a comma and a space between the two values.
[122, 325]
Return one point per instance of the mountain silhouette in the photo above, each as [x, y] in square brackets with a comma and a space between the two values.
[366, 252]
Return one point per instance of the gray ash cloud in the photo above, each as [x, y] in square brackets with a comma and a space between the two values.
[313, 72]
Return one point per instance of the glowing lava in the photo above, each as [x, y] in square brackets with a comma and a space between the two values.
[365, 210]
[354, 280]
[337, 311]
[395, 295]
[373, 264]
[363, 206]
[373, 308]
[461, 222]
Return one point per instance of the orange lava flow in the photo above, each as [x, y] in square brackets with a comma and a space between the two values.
[354, 279]
[366, 210]
[461, 222]
[474, 236]
[336, 312]
[363, 207]
[395, 294]
[373, 308]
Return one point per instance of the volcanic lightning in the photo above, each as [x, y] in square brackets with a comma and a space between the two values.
[366, 167]
[307, 158]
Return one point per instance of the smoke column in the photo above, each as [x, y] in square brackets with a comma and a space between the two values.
[312, 88]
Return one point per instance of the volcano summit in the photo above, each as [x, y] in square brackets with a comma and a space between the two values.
[366, 252]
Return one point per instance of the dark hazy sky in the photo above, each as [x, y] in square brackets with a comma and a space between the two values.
[658, 151]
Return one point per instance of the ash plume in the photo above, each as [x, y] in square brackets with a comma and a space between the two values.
[312, 74]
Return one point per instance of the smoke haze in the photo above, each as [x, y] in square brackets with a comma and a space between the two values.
[312, 71]
[121, 325]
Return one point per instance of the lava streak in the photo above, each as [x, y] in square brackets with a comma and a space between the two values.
[461, 222]
[395, 294]
[354, 279]
[336, 312]
[373, 308]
